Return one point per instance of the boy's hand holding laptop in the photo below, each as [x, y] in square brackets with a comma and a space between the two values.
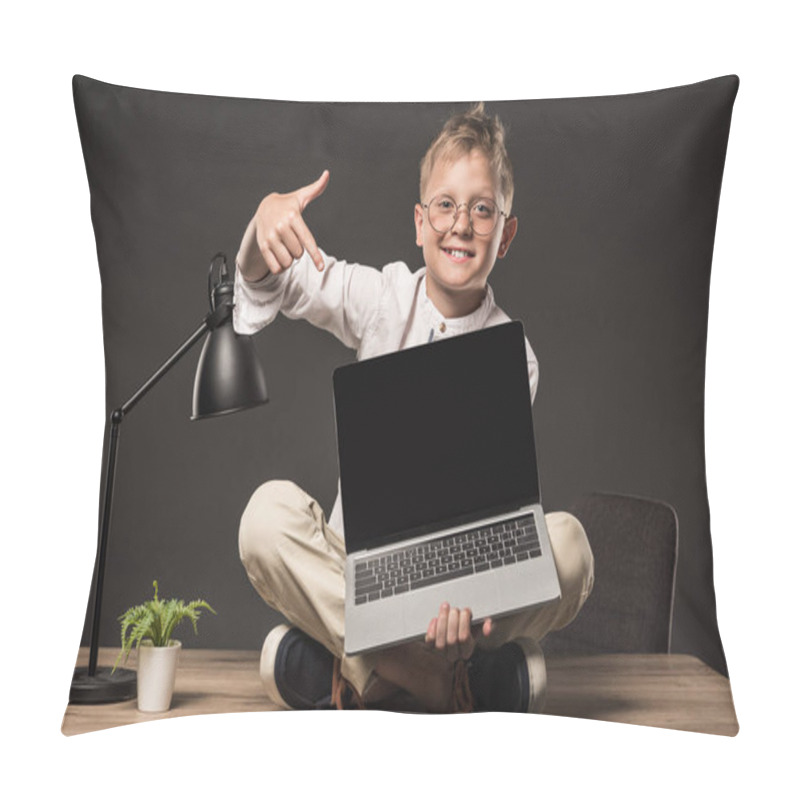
[453, 633]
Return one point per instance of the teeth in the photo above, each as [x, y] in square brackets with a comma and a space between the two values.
[458, 253]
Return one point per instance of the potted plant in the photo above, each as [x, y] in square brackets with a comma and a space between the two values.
[149, 628]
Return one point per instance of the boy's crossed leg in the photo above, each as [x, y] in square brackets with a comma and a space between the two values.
[295, 561]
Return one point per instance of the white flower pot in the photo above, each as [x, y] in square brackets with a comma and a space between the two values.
[155, 675]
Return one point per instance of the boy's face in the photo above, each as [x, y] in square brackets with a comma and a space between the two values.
[459, 262]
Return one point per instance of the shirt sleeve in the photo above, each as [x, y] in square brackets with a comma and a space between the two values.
[533, 370]
[342, 299]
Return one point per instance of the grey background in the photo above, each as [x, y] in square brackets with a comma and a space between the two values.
[617, 202]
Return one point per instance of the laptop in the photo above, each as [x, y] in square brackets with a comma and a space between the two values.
[440, 487]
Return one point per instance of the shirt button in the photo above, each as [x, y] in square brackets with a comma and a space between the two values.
[442, 327]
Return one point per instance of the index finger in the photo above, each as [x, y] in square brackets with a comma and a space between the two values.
[306, 239]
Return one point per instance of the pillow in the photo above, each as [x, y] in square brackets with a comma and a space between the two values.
[617, 202]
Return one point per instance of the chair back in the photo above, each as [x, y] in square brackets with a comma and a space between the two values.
[634, 541]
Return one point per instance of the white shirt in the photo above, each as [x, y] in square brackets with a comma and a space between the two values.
[372, 311]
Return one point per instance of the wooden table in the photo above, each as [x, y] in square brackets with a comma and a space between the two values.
[665, 691]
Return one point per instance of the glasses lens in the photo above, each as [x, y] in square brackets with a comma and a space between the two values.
[441, 213]
[483, 214]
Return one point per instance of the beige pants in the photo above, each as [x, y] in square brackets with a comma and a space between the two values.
[296, 563]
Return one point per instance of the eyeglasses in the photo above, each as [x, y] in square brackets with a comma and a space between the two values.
[483, 214]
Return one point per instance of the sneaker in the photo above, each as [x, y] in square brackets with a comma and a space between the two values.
[512, 678]
[299, 673]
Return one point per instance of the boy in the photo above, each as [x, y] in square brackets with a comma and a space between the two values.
[293, 556]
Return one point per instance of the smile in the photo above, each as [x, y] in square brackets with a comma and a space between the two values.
[458, 254]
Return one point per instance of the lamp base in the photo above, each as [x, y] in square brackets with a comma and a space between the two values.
[102, 687]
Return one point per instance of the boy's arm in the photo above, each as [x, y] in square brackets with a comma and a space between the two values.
[341, 299]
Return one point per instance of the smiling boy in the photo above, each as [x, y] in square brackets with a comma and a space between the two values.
[294, 556]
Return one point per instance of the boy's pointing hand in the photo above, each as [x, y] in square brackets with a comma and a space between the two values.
[281, 233]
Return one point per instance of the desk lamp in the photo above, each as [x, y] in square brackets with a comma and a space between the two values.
[229, 378]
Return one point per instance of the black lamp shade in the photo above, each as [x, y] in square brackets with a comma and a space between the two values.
[229, 375]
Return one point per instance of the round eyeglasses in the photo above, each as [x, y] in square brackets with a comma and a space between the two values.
[483, 214]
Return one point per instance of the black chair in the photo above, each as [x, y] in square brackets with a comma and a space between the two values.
[634, 541]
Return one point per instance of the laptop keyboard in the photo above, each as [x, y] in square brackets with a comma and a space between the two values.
[438, 560]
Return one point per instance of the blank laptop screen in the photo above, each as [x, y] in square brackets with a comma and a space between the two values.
[435, 435]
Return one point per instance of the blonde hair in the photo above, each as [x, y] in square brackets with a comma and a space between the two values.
[465, 132]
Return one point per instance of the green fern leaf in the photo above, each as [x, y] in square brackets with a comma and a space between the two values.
[156, 620]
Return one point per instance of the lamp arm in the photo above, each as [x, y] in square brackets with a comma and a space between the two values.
[212, 320]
